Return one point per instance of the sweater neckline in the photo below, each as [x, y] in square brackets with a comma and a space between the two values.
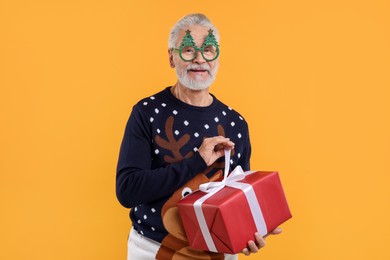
[177, 101]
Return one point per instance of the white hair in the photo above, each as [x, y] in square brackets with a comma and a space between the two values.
[191, 19]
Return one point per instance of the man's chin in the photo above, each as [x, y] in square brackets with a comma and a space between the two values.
[196, 85]
[197, 88]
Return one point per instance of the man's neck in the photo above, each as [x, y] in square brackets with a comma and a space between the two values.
[199, 98]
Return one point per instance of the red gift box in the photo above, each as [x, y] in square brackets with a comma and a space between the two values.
[224, 218]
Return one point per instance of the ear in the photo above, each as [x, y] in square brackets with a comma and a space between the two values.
[170, 55]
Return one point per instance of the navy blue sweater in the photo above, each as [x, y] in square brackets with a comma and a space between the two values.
[159, 153]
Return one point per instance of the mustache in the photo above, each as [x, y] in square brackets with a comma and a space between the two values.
[203, 66]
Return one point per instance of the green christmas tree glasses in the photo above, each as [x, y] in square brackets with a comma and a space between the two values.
[188, 50]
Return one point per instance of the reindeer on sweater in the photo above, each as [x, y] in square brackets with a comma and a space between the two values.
[175, 245]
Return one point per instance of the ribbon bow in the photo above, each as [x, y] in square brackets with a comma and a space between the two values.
[228, 179]
[213, 187]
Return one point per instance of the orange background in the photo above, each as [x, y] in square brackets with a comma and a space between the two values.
[311, 78]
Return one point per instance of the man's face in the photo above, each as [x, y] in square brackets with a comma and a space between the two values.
[197, 74]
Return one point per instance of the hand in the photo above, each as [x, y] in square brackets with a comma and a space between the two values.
[213, 148]
[260, 242]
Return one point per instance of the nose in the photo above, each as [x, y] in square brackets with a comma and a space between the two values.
[199, 58]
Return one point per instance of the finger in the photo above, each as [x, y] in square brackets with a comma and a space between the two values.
[252, 247]
[224, 146]
[260, 240]
[245, 251]
[276, 231]
[218, 140]
[228, 145]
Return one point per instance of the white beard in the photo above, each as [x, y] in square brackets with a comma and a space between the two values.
[197, 83]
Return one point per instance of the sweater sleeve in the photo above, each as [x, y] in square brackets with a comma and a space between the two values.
[245, 157]
[136, 182]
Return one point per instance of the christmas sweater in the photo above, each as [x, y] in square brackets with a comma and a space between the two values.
[159, 161]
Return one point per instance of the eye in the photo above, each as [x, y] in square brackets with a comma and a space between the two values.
[207, 50]
[185, 192]
[188, 50]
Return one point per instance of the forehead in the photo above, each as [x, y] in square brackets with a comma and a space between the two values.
[198, 32]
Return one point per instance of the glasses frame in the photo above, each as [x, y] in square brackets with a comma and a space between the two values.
[197, 49]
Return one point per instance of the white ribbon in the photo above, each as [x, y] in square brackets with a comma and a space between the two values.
[231, 181]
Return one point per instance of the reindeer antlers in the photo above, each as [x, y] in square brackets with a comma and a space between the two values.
[172, 144]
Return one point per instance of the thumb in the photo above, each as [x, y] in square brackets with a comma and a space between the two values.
[220, 153]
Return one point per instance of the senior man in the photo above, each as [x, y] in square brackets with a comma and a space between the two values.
[174, 141]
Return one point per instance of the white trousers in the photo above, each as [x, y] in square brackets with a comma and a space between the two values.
[143, 248]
